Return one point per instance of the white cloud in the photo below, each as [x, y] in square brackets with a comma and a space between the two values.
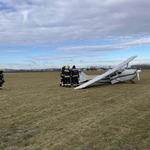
[54, 57]
[14, 51]
[117, 24]
[67, 56]
[110, 47]
[47, 22]
[25, 15]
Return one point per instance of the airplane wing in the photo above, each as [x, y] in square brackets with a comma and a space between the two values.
[106, 73]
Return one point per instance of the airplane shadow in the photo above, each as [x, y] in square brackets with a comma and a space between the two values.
[95, 85]
[98, 85]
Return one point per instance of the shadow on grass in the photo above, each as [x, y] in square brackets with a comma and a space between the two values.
[95, 85]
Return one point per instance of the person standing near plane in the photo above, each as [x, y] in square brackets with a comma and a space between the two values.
[67, 76]
[62, 74]
[1, 78]
[75, 75]
[71, 82]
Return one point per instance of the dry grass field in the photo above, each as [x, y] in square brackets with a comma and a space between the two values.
[36, 113]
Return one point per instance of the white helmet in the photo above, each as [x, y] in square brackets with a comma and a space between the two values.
[2, 69]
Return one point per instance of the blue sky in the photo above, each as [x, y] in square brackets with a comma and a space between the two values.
[48, 34]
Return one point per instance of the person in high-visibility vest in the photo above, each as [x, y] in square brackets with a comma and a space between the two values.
[75, 76]
[62, 74]
[67, 76]
[1, 78]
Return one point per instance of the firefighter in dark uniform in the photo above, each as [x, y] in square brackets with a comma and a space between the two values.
[1, 78]
[75, 75]
[62, 74]
[67, 76]
[71, 81]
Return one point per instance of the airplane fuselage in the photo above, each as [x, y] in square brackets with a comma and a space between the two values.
[128, 74]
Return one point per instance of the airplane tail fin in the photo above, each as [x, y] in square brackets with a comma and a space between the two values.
[82, 76]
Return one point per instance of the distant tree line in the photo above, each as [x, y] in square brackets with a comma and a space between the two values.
[91, 68]
[95, 68]
[142, 66]
[31, 70]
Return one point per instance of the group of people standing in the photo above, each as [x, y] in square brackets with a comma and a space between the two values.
[1, 78]
[69, 76]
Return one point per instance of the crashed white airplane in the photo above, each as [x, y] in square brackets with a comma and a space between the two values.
[117, 74]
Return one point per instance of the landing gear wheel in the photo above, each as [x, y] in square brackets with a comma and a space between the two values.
[132, 81]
